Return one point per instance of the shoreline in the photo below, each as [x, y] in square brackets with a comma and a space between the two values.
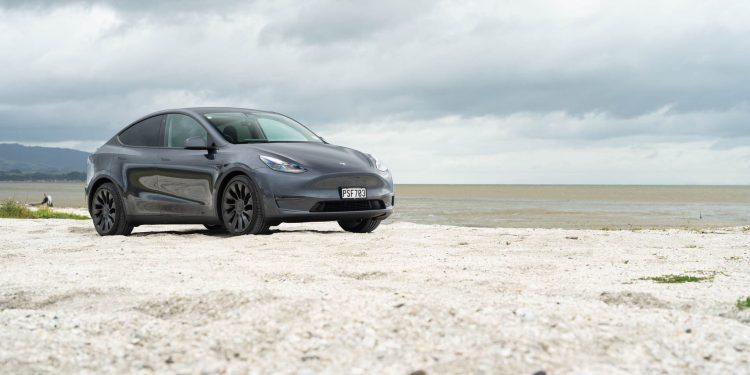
[735, 228]
[549, 206]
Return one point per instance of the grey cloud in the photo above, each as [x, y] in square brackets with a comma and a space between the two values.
[329, 21]
[331, 62]
[137, 6]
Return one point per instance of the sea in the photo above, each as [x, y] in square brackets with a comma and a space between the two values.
[520, 206]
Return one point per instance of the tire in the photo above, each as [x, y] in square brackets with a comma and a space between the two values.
[359, 225]
[108, 212]
[215, 227]
[240, 208]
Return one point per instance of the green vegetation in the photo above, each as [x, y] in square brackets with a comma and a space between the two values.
[678, 279]
[12, 210]
[743, 303]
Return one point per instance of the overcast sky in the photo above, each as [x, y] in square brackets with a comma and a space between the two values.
[567, 91]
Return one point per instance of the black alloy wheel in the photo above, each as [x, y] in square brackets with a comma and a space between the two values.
[241, 212]
[108, 213]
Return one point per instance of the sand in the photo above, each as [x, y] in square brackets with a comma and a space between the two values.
[313, 299]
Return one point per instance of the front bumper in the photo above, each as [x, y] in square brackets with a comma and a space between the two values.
[301, 197]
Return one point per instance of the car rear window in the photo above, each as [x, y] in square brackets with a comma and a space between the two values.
[144, 133]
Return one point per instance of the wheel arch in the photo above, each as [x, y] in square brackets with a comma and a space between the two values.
[222, 183]
[99, 181]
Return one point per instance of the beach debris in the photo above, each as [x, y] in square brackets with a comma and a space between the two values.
[540, 372]
[418, 372]
[571, 237]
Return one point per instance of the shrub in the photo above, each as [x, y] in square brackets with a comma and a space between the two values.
[12, 210]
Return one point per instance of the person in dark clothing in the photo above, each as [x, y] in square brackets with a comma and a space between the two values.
[46, 201]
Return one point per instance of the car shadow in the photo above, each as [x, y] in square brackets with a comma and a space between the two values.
[204, 232]
[219, 234]
[306, 231]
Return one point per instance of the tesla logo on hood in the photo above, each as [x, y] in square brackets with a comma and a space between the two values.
[342, 163]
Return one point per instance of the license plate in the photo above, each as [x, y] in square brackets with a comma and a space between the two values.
[353, 193]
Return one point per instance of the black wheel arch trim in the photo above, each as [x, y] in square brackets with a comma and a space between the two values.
[99, 180]
[224, 178]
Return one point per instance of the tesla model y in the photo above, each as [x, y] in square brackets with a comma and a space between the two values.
[231, 169]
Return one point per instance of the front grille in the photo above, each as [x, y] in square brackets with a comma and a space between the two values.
[340, 206]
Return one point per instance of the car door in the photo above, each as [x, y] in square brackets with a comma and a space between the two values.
[186, 177]
[137, 160]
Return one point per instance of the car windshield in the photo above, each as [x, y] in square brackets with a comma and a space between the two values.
[251, 127]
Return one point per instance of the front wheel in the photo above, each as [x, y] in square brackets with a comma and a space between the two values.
[108, 212]
[241, 211]
[359, 225]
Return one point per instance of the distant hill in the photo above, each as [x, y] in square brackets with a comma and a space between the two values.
[32, 159]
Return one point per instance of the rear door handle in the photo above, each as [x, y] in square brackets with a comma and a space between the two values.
[166, 159]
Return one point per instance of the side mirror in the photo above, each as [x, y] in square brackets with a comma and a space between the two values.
[197, 143]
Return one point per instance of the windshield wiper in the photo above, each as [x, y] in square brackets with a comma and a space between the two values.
[252, 141]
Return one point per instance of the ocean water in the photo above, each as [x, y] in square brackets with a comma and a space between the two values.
[64, 194]
[575, 206]
[531, 206]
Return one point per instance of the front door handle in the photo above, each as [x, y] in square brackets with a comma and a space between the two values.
[166, 159]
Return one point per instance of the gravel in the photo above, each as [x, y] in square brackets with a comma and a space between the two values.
[407, 299]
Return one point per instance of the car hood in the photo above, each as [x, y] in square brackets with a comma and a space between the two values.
[318, 156]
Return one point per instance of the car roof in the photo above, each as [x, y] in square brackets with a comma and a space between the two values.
[227, 109]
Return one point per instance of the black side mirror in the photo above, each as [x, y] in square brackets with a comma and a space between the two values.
[197, 143]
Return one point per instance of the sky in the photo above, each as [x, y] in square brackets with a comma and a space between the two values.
[553, 92]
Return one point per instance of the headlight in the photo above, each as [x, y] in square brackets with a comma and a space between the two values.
[380, 166]
[282, 166]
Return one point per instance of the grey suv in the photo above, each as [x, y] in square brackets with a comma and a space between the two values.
[231, 169]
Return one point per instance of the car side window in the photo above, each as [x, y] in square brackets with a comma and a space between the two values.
[178, 128]
[143, 134]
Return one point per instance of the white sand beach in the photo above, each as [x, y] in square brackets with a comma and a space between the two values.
[311, 298]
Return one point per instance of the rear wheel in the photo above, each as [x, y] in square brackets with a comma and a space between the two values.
[108, 212]
[241, 211]
[359, 225]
